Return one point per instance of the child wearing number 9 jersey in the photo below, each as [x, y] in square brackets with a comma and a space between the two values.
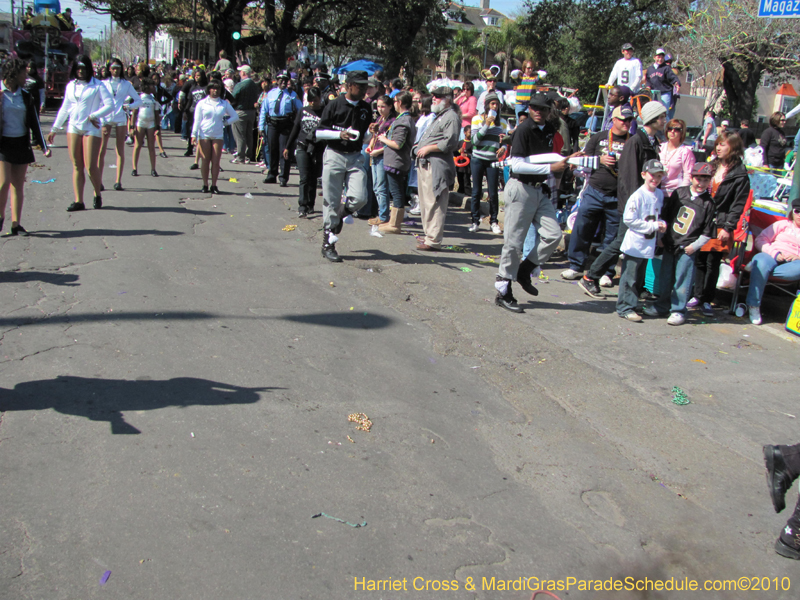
[689, 213]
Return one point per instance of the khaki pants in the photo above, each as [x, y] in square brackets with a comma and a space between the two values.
[526, 204]
[433, 208]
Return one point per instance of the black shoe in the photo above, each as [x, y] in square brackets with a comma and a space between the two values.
[786, 550]
[163, 155]
[118, 187]
[102, 188]
[204, 190]
[778, 478]
[194, 167]
[214, 189]
[98, 202]
[590, 287]
[329, 250]
[302, 213]
[270, 180]
[75, 206]
[134, 173]
[16, 230]
[284, 183]
[188, 153]
[508, 301]
[524, 273]
[153, 173]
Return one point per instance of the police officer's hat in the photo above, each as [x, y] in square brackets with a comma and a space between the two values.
[540, 100]
[283, 75]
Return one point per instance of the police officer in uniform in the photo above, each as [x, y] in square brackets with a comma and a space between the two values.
[282, 106]
[345, 120]
[528, 200]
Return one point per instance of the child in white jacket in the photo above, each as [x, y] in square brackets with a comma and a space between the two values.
[642, 217]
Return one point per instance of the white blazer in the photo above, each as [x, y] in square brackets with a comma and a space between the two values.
[210, 117]
[82, 102]
[124, 91]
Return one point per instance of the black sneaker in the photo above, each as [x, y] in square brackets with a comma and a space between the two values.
[284, 183]
[328, 249]
[508, 301]
[214, 189]
[194, 167]
[98, 202]
[524, 273]
[188, 153]
[778, 478]
[134, 173]
[75, 206]
[302, 213]
[118, 187]
[204, 190]
[590, 287]
[270, 180]
[153, 173]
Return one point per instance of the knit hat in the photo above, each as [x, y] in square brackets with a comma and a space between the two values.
[489, 98]
[651, 111]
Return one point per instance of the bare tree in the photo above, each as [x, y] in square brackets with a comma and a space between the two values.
[745, 46]
[126, 45]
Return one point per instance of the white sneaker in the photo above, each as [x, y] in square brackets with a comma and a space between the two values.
[415, 210]
[606, 281]
[676, 319]
[755, 315]
[496, 229]
[473, 228]
[571, 274]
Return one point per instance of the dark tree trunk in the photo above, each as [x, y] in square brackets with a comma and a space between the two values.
[741, 93]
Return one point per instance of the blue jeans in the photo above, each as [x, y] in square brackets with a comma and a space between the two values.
[633, 271]
[765, 266]
[594, 206]
[396, 185]
[675, 280]
[379, 185]
[479, 167]
[227, 139]
[664, 97]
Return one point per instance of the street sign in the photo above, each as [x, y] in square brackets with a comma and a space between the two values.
[779, 9]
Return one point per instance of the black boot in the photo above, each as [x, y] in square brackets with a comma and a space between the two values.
[507, 300]
[329, 249]
[781, 463]
[524, 273]
[788, 544]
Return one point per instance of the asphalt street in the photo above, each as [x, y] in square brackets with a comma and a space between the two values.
[176, 376]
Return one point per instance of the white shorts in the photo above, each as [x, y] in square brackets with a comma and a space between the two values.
[146, 124]
[203, 136]
[116, 123]
[93, 131]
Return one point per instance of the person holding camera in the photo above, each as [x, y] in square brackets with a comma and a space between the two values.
[488, 131]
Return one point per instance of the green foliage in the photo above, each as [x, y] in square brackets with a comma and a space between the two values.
[466, 52]
[509, 42]
[578, 41]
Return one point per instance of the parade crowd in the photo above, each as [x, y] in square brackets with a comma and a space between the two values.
[379, 149]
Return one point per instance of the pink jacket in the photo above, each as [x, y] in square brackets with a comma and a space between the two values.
[469, 108]
[780, 237]
[679, 167]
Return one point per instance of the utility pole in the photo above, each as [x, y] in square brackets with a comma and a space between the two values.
[194, 29]
[12, 14]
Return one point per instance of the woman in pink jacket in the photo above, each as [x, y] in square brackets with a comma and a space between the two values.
[678, 159]
[468, 103]
[779, 256]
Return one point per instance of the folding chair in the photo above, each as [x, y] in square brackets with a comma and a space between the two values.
[751, 224]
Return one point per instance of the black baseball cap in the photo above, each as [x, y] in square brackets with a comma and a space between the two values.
[540, 100]
[357, 77]
[442, 92]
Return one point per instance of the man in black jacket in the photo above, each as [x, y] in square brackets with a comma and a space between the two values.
[638, 150]
[345, 120]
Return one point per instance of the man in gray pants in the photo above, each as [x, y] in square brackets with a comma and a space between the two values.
[245, 96]
[527, 200]
[436, 171]
[344, 122]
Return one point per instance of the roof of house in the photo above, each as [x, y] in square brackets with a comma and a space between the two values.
[786, 89]
[473, 15]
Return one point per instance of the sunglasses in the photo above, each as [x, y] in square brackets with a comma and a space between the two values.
[625, 120]
[796, 211]
[674, 128]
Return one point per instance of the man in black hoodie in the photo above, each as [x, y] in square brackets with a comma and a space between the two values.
[638, 150]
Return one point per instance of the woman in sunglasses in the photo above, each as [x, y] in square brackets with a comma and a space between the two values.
[779, 256]
[678, 159]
